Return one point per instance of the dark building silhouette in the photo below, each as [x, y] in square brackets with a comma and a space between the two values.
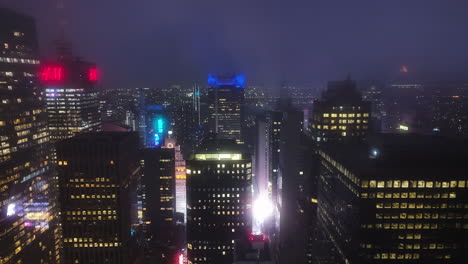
[372, 93]
[274, 121]
[253, 249]
[219, 197]
[27, 222]
[341, 114]
[98, 176]
[158, 183]
[397, 199]
[225, 106]
[291, 184]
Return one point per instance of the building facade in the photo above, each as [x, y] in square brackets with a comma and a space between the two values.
[158, 183]
[394, 200]
[225, 106]
[26, 205]
[71, 97]
[219, 197]
[341, 114]
[98, 175]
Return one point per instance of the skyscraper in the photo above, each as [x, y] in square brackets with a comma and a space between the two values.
[274, 120]
[27, 210]
[394, 200]
[71, 96]
[341, 114]
[158, 183]
[225, 106]
[98, 174]
[219, 197]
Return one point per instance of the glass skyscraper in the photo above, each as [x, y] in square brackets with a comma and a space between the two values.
[27, 210]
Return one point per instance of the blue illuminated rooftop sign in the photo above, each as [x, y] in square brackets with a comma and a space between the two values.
[155, 107]
[237, 80]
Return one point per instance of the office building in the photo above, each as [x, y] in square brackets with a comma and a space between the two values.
[225, 106]
[71, 97]
[274, 120]
[397, 199]
[291, 188]
[98, 175]
[158, 184]
[27, 225]
[340, 115]
[219, 197]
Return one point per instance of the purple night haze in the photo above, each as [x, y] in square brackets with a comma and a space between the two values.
[148, 42]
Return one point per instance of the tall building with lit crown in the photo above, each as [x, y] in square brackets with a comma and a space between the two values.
[394, 200]
[225, 106]
[98, 173]
[340, 115]
[219, 197]
[71, 97]
[26, 207]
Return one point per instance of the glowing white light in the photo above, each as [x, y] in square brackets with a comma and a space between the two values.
[169, 132]
[181, 258]
[262, 209]
[11, 209]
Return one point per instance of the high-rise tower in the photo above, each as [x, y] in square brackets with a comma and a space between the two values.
[219, 197]
[26, 229]
[341, 114]
[225, 106]
[98, 175]
[71, 96]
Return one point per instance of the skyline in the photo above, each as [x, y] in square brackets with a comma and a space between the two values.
[152, 44]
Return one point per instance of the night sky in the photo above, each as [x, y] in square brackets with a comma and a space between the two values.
[150, 43]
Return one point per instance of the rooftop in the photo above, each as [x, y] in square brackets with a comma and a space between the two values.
[403, 156]
[218, 147]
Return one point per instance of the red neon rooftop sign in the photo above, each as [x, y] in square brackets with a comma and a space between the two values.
[54, 73]
[93, 74]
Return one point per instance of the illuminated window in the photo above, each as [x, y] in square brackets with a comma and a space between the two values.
[326, 115]
[421, 184]
[333, 115]
[381, 184]
[365, 184]
[372, 184]
[453, 184]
